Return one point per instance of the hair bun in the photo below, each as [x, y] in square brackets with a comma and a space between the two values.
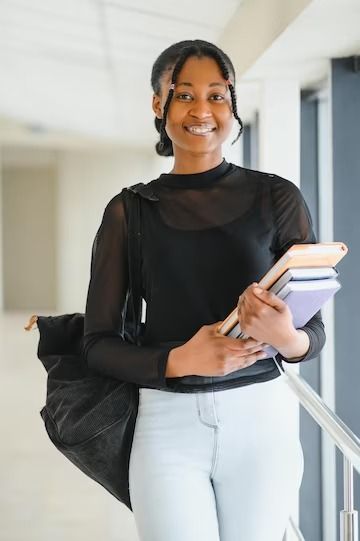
[164, 147]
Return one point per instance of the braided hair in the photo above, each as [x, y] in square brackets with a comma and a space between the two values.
[174, 58]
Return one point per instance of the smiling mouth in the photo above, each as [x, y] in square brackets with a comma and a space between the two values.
[200, 130]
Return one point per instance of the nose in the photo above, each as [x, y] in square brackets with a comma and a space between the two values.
[200, 109]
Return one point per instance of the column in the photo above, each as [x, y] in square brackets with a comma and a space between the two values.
[345, 108]
[279, 129]
[279, 151]
[1, 237]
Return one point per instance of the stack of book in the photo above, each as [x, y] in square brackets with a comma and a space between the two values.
[305, 277]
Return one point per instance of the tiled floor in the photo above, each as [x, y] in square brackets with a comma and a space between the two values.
[43, 496]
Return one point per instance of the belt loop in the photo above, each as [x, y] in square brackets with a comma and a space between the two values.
[207, 409]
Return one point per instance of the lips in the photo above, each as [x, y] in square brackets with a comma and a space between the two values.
[200, 129]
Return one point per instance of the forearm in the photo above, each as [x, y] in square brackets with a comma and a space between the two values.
[113, 357]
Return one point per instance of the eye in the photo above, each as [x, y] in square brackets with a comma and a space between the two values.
[184, 97]
[217, 97]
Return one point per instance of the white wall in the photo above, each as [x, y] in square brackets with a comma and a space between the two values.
[87, 180]
[29, 251]
[279, 153]
[1, 243]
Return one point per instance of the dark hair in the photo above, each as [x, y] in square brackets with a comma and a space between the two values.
[173, 58]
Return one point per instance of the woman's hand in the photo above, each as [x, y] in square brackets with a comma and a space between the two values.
[265, 317]
[209, 353]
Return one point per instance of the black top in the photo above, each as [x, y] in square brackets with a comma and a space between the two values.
[205, 240]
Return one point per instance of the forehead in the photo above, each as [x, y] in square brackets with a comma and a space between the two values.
[196, 70]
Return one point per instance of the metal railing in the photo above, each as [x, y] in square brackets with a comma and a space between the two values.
[344, 439]
[299, 536]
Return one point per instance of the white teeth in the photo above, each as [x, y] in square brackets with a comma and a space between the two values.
[199, 130]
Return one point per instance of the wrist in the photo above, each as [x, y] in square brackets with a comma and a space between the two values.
[296, 346]
[174, 363]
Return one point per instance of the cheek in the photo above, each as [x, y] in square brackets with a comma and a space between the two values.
[226, 121]
[176, 114]
[174, 122]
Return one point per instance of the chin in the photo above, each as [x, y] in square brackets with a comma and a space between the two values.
[200, 145]
[197, 149]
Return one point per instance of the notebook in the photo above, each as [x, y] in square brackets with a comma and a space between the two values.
[305, 298]
[297, 256]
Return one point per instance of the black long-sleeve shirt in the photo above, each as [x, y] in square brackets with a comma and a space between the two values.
[205, 240]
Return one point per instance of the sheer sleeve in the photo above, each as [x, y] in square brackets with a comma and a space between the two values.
[105, 349]
[293, 225]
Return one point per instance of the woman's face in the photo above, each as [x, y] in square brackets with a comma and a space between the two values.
[200, 116]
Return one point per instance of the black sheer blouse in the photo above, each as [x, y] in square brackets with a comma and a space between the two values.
[204, 241]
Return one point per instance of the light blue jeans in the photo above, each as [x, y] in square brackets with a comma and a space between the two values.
[215, 466]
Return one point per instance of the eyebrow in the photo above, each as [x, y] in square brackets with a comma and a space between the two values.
[184, 83]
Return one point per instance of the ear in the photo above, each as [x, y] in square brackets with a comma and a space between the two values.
[156, 105]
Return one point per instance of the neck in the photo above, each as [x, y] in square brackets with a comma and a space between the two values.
[195, 163]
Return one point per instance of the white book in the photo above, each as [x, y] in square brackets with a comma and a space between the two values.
[306, 273]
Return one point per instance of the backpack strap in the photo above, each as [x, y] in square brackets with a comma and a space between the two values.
[134, 252]
[144, 190]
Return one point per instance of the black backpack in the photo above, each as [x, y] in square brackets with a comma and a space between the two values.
[88, 417]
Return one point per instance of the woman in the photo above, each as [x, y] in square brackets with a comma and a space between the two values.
[216, 455]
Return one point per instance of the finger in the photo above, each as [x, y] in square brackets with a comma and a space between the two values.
[251, 299]
[246, 292]
[252, 342]
[253, 358]
[243, 352]
[250, 304]
[258, 355]
[215, 327]
[269, 298]
[250, 307]
[240, 313]
[248, 288]
[246, 312]
[250, 351]
[240, 344]
[235, 363]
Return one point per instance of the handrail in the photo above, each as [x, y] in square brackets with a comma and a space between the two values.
[295, 530]
[346, 441]
[344, 438]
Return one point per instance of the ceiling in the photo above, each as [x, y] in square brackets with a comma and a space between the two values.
[325, 29]
[84, 66]
[79, 71]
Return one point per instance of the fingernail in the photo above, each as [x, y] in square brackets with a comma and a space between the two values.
[258, 290]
